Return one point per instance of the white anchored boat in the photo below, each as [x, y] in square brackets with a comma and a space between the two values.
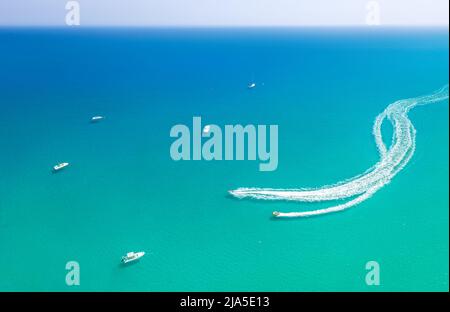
[60, 166]
[206, 129]
[132, 256]
[251, 85]
[97, 118]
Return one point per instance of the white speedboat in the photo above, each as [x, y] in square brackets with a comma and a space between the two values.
[276, 214]
[132, 256]
[97, 118]
[60, 166]
[252, 85]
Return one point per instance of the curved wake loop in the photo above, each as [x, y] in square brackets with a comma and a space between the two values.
[392, 160]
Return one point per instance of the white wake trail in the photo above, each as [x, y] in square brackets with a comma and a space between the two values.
[392, 160]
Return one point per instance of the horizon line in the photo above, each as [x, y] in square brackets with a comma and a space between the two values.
[364, 26]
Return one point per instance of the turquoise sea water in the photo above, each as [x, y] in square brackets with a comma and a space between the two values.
[123, 192]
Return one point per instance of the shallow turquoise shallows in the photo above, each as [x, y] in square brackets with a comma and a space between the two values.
[123, 192]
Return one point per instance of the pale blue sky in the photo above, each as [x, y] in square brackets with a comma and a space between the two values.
[224, 12]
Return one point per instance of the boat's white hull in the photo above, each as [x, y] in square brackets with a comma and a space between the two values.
[137, 256]
[60, 166]
[97, 118]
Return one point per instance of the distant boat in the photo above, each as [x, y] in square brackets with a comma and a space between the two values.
[60, 166]
[251, 85]
[206, 129]
[97, 118]
[275, 213]
[132, 256]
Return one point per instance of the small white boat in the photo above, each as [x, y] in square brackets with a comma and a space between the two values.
[206, 129]
[252, 85]
[275, 213]
[60, 166]
[132, 256]
[97, 118]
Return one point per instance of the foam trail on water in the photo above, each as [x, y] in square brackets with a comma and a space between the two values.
[392, 160]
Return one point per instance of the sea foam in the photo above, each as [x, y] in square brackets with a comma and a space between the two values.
[358, 189]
